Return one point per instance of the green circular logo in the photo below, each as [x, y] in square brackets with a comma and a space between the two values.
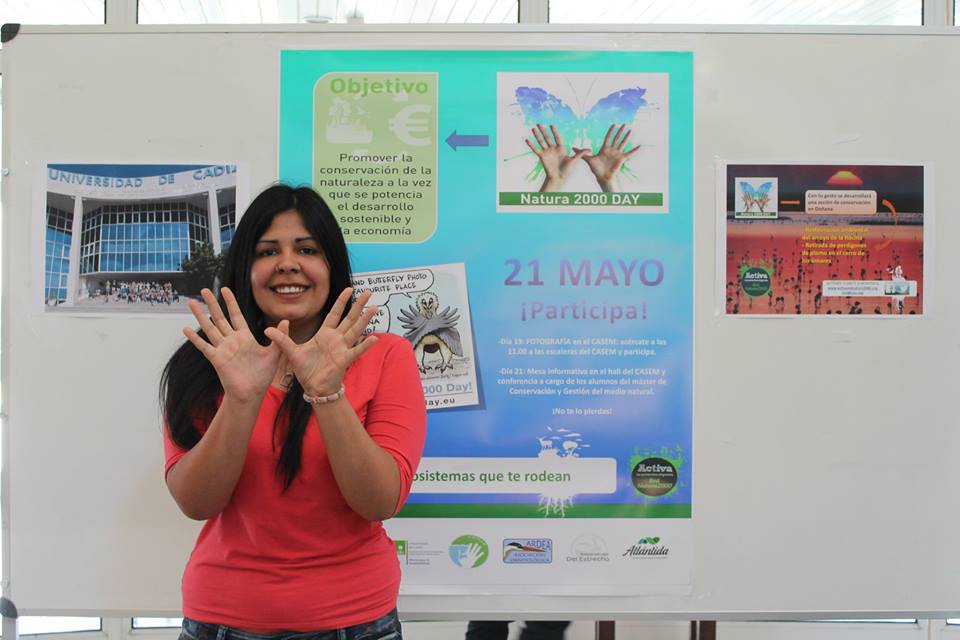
[654, 476]
[755, 282]
[469, 551]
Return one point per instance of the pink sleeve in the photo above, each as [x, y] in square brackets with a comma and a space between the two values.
[397, 414]
[172, 452]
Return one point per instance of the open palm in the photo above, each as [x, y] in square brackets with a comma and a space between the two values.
[321, 362]
[244, 366]
[557, 163]
[610, 157]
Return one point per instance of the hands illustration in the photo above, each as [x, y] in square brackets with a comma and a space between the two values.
[557, 164]
[610, 158]
[470, 557]
[553, 156]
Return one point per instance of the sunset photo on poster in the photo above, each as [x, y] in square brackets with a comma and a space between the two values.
[818, 239]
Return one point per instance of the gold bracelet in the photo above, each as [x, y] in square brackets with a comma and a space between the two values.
[333, 397]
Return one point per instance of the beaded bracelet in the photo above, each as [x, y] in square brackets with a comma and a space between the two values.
[315, 400]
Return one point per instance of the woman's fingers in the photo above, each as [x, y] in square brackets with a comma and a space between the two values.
[359, 306]
[283, 327]
[623, 140]
[213, 334]
[202, 345]
[357, 350]
[537, 150]
[216, 313]
[280, 338]
[236, 316]
[353, 332]
[336, 311]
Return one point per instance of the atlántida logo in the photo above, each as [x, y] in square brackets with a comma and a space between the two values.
[647, 548]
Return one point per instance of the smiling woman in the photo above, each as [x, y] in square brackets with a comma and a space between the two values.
[281, 436]
[290, 277]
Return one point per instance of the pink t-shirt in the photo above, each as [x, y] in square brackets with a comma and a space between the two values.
[303, 560]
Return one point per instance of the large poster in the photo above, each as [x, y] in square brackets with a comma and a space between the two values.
[823, 239]
[524, 218]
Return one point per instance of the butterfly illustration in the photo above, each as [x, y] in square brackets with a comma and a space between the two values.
[751, 195]
[540, 107]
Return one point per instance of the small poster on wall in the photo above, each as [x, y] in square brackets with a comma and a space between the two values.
[428, 306]
[823, 239]
[133, 238]
[583, 142]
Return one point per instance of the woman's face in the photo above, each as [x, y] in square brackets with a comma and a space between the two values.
[290, 276]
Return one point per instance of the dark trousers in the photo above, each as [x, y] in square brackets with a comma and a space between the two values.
[533, 630]
[385, 628]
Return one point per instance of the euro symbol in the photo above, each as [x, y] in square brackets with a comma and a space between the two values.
[412, 120]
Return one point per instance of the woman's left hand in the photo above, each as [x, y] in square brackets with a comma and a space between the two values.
[320, 363]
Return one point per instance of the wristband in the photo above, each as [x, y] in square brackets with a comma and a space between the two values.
[333, 397]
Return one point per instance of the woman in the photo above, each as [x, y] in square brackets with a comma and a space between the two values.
[292, 436]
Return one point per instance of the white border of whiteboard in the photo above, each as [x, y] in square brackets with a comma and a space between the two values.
[922, 509]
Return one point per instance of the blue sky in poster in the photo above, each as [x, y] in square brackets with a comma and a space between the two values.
[471, 231]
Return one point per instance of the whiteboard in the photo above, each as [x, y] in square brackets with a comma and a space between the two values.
[830, 495]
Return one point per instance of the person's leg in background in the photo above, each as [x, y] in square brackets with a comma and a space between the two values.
[487, 630]
[544, 629]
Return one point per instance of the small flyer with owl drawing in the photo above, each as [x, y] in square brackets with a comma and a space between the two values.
[428, 306]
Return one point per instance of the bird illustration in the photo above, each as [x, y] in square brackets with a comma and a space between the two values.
[512, 547]
[431, 332]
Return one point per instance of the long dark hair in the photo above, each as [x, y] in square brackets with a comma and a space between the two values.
[189, 386]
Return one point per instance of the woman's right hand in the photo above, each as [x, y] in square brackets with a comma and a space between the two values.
[244, 366]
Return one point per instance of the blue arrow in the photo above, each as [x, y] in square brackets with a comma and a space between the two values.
[455, 140]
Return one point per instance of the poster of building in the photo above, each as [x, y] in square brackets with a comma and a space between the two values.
[823, 239]
[133, 238]
[571, 471]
